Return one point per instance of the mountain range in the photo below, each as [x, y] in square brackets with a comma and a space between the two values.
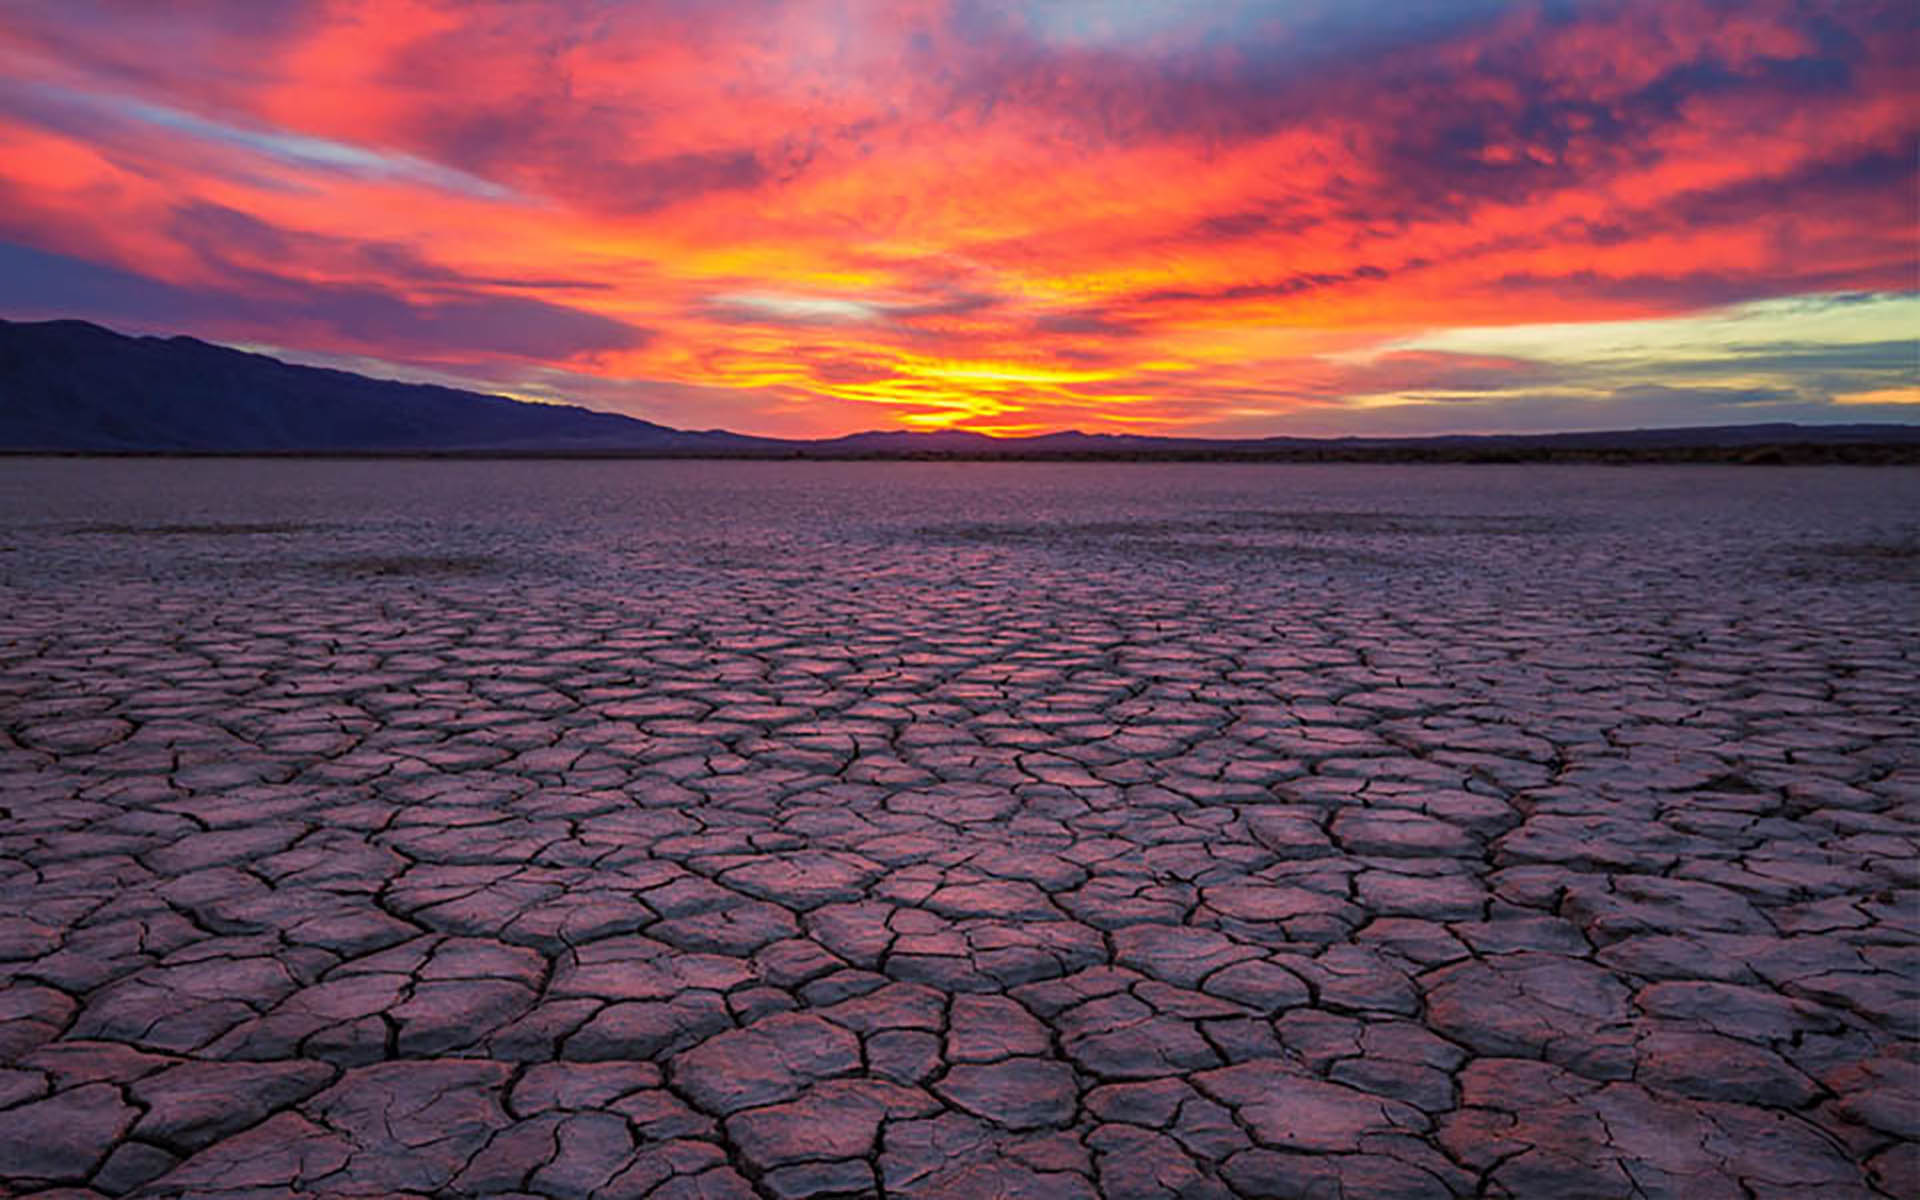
[70, 386]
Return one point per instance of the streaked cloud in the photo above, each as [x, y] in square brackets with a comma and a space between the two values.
[1257, 216]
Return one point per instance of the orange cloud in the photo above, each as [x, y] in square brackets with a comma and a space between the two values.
[813, 218]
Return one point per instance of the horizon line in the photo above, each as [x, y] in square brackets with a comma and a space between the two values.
[1201, 443]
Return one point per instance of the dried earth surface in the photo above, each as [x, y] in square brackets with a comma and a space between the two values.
[1028, 831]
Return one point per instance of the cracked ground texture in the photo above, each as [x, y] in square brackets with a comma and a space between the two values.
[964, 830]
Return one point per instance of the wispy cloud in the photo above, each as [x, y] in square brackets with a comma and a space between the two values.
[1255, 216]
[107, 117]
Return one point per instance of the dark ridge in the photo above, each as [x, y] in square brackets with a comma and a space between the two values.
[72, 387]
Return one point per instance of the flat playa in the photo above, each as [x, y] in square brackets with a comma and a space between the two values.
[687, 829]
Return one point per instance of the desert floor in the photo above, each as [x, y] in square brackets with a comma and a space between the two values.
[726, 829]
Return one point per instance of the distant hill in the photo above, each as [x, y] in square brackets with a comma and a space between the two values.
[71, 385]
[74, 387]
[1693, 441]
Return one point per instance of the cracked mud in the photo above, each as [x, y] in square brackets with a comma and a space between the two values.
[715, 830]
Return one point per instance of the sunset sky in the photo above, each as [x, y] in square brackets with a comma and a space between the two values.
[1168, 216]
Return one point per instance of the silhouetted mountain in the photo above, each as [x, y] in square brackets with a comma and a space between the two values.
[1733, 443]
[73, 386]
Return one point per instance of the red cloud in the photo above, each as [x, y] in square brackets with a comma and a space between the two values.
[949, 217]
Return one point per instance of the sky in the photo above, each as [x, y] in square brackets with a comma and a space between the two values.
[1232, 218]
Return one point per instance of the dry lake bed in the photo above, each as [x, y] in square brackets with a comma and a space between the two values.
[708, 829]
